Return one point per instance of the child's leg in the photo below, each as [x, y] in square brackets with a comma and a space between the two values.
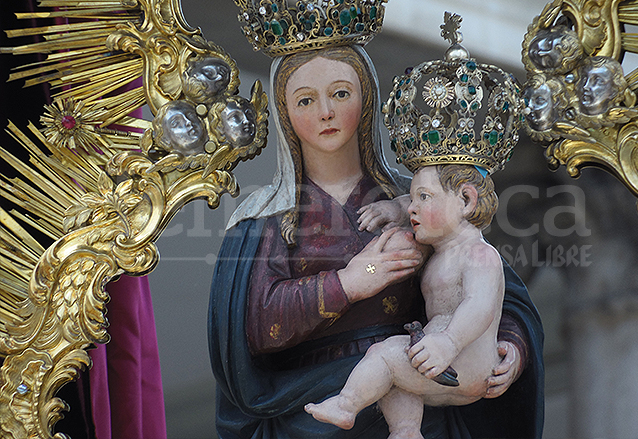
[370, 380]
[403, 412]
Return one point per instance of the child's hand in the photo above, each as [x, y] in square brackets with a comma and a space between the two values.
[384, 215]
[433, 354]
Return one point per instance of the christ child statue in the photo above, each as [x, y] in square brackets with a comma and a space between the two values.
[463, 287]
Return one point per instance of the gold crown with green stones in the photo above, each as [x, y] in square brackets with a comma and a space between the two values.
[281, 27]
[469, 113]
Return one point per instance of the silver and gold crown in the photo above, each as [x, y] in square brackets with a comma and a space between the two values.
[280, 27]
[469, 113]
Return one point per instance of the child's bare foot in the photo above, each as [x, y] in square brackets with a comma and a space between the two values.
[333, 411]
[406, 433]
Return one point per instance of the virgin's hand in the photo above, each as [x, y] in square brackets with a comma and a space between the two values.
[505, 373]
[384, 215]
[373, 269]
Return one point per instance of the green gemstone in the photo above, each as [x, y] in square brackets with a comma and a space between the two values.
[471, 66]
[436, 151]
[373, 13]
[282, 41]
[404, 156]
[434, 137]
[399, 94]
[308, 25]
[471, 89]
[493, 137]
[335, 14]
[313, 18]
[393, 145]
[276, 28]
[267, 25]
[464, 104]
[274, 7]
[284, 25]
[327, 31]
[353, 12]
[465, 139]
[399, 111]
[506, 106]
[464, 77]
[474, 106]
[344, 18]
[360, 27]
[345, 30]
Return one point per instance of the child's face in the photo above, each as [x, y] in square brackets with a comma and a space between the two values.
[435, 214]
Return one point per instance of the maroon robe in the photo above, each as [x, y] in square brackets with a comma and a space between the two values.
[295, 294]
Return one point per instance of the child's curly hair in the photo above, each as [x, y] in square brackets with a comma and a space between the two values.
[452, 177]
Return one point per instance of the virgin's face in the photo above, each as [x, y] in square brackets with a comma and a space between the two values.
[323, 98]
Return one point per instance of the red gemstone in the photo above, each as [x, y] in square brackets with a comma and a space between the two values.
[68, 122]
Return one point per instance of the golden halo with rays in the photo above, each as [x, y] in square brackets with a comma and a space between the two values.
[68, 123]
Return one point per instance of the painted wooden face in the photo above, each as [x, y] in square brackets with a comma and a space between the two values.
[323, 98]
[435, 213]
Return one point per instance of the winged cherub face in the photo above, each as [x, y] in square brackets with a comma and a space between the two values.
[239, 123]
[205, 79]
[597, 88]
[182, 129]
[540, 107]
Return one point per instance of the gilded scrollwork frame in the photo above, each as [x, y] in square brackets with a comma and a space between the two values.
[117, 212]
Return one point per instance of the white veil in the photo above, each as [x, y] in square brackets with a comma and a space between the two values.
[279, 197]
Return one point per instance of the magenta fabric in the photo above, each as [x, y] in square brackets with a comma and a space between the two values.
[126, 384]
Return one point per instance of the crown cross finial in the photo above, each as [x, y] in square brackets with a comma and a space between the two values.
[450, 29]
